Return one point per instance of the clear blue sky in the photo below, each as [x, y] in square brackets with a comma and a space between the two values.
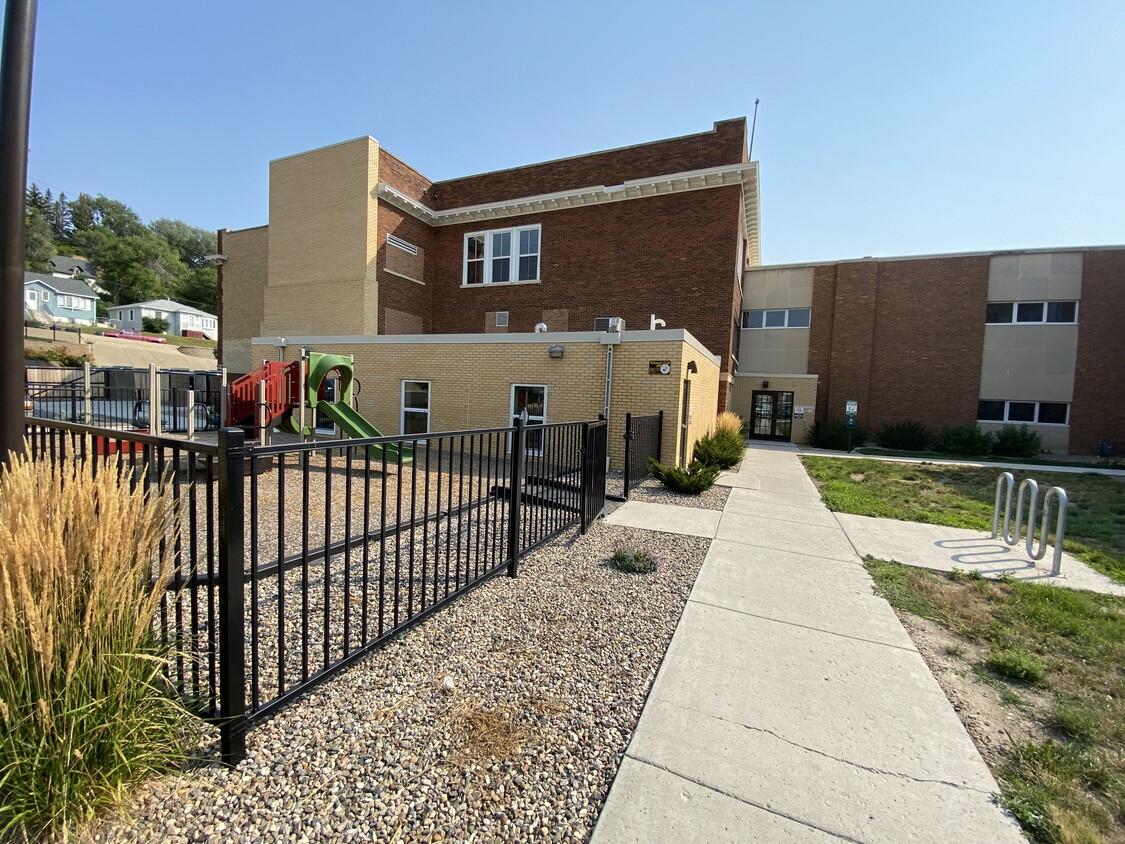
[891, 128]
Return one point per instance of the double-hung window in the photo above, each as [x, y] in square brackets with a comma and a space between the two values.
[502, 256]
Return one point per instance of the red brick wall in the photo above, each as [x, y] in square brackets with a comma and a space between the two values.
[820, 334]
[853, 338]
[405, 178]
[725, 144]
[395, 292]
[1097, 411]
[928, 342]
[673, 255]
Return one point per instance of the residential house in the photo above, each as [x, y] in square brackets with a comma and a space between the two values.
[183, 320]
[49, 298]
[64, 266]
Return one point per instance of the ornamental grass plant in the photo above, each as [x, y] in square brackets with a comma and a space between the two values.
[84, 705]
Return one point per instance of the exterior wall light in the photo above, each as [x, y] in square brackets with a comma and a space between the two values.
[765, 384]
[555, 351]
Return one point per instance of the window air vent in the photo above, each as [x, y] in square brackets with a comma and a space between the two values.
[402, 244]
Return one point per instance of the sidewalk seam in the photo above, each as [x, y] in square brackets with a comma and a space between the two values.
[743, 800]
[911, 650]
[821, 753]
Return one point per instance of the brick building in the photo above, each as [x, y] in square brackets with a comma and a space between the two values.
[359, 243]
[1030, 337]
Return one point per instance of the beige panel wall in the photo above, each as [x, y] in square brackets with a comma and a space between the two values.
[1029, 362]
[471, 384]
[1035, 278]
[323, 241]
[804, 396]
[781, 288]
[245, 274]
[775, 350]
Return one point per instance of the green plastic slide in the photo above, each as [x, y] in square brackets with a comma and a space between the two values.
[354, 425]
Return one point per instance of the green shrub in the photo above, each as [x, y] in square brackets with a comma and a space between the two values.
[1013, 441]
[722, 449]
[155, 325]
[966, 440]
[54, 356]
[1016, 664]
[84, 705]
[905, 436]
[835, 436]
[633, 560]
[695, 480]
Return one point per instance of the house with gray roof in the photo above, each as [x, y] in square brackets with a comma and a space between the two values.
[49, 298]
[183, 320]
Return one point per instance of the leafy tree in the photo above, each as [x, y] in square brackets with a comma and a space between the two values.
[88, 212]
[155, 325]
[38, 247]
[198, 289]
[192, 243]
[139, 267]
[35, 199]
[59, 218]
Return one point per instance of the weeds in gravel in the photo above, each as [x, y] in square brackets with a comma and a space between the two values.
[485, 733]
[963, 497]
[1071, 644]
[83, 702]
[633, 560]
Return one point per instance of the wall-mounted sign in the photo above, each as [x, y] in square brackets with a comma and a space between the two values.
[851, 408]
[659, 367]
[799, 412]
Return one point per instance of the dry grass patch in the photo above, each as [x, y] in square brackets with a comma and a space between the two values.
[483, 733]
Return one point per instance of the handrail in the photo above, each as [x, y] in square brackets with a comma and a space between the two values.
[1013, 537]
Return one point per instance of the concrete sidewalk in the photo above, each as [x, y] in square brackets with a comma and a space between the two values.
[792, 705]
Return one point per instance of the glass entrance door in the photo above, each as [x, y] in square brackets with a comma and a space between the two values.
[772, 415]
[533, 399]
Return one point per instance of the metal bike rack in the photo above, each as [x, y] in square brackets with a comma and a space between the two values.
[1012, 535]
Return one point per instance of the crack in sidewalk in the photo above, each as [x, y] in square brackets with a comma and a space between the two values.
[813, 750]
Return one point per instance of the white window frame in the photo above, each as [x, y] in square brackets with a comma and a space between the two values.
[1038, 406]
[1046, 303]
[403, 409]
[501, 319]
[31, 296]
[514, 256]
[763, 327]
[531, 420]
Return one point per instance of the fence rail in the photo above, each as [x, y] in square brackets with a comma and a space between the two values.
[294, 560]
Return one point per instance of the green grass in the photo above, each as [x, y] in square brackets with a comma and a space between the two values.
[1041, 460]
[963, 496]
[1071, 645]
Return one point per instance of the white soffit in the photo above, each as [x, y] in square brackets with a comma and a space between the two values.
[744, 175]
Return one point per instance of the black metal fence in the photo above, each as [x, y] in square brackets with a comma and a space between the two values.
[643, 436]
[294, 560]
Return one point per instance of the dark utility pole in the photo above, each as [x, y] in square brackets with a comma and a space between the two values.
[15, 106]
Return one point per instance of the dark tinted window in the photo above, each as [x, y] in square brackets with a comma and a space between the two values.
[799, 317]
[1052, 413]
[1029, 312]
[752, 319]
[998, 312]
[992, 411]
[1061, 311]
[775, 319]
[1021, 411]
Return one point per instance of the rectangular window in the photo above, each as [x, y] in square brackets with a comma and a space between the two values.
[1023, 412]
[998, 313]
[1062, 311]
[33, 298]
[501, 319]
[501, 256]
[73, 303]
[45, 297]
[791, 318]
[1029, 311]
[533, 399]
[415, 407]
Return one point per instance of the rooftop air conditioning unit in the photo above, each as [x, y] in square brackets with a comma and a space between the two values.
[614, 323]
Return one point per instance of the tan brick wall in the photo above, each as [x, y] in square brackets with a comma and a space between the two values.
[804, 395]
[323, 241]
[471, 384]
[242, 302]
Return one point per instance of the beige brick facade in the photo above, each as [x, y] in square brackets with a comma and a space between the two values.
[471, 379]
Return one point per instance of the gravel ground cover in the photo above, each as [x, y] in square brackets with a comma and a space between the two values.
[652, 490]
[503, 717]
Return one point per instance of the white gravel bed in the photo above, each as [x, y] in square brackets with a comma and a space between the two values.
[548, 675]
[652, 490]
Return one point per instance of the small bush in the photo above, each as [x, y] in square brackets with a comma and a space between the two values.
[967, 440]
[54, 356]
[905, 436]
[720, 449]
[155, 325]
[633, 560]
[1013, 441]
[1015, 664]
[729, 423]
[84, 705]
[834, 436]
[695, 480]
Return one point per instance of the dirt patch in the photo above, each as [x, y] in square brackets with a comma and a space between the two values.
[991, 715]
[857, 476]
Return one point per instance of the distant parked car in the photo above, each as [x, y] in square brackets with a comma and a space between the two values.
[130, 334]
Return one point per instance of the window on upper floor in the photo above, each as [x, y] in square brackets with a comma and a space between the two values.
[1019, 412]
[1030, 313]
[788, 318]
[501, 256]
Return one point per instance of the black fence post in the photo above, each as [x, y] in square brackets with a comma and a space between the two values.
[515, 484]
[585, 476]
[232, 602]
[628, 450]
[660, 439]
